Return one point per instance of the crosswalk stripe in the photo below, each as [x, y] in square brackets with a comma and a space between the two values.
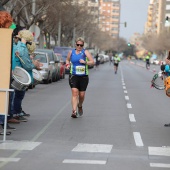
[82, 147]
[9, 159]
[19, 145]
[159, 165]
[159, 151]
[74, 161]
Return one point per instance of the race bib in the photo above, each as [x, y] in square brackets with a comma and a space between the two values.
[116, 61]
[80, 70]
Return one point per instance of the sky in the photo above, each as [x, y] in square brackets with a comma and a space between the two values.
[134, 12]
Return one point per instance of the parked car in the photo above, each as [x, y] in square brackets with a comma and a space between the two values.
[63, 51]
[61, 65]
[47, 68]
[51, 55]
[101, 58]
[106, 58]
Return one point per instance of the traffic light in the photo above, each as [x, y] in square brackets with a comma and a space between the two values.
[125, 24]
[129, 44]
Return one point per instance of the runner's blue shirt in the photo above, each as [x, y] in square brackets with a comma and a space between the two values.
[78, 68]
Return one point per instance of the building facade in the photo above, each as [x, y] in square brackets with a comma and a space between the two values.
[109, 17]
[158, 16]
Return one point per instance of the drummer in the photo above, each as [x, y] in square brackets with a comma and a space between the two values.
[24, 47]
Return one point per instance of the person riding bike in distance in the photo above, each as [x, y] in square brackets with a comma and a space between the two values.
[147, 59]
[116, 60]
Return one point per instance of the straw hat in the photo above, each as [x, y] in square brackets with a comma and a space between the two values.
[25, 34]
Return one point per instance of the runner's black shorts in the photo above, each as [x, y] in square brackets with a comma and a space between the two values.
[78, 82]
[116, 64]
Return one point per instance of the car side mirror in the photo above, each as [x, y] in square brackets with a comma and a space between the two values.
[51, 62]
[57, 61]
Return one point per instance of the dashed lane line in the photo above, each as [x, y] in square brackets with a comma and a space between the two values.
[132, 118]
[138, 139]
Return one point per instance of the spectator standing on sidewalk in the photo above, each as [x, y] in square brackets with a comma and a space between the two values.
[22, 56]
[78, 60]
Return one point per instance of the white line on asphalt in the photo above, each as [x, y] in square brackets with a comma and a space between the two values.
[129, 106]
[159, 165]
[124, 87]
[9, 159]
[74, 161]
[123, 84]
[2, 164]
[126, 97]
[132, 118]
[19, 145]
[82, 147]
[138, 139]
[125, 91]
[159, 151]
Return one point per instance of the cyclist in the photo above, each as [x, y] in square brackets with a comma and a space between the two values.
[116, 60]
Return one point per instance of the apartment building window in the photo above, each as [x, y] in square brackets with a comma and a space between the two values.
[115, 11]
[114, 23]
[115, 29]
[115, 17]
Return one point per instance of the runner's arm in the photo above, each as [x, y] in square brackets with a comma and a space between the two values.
[90, 58]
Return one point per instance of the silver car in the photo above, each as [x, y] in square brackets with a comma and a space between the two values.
[47, 68]
[51, 55]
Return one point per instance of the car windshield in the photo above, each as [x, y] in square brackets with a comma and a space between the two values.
[49, 52]
[63, 51]
[41, 57]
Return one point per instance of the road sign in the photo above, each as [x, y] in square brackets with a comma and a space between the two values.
[35, 30]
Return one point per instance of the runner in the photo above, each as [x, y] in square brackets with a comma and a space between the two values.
[116, 61]
[78, 61]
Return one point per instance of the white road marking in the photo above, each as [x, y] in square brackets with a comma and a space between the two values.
[124, 87]
[159, 165]
[125, 91]
[19, 145]
[138, 139]
[9, 159]
[74, 161]
[123, 84]
[81, 147]
[159, 151]
[132, 118]
[129, 106]
[126, 97]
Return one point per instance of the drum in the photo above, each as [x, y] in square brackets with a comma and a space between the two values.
[37, 76]
[21, 78]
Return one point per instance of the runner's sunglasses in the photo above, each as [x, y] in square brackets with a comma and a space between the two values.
[81, 45]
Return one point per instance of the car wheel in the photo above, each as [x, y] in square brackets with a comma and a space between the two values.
[54, 78]
[48, 79]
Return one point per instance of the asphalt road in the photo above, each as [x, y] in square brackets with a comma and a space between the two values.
[122, 127]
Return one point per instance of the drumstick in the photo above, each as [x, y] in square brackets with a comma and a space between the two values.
[20, 58]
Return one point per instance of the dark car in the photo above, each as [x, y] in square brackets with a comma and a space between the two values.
[63, 51]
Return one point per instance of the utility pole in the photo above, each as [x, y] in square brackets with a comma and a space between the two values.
[74, 36]
[33, 13]
[59, 32]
